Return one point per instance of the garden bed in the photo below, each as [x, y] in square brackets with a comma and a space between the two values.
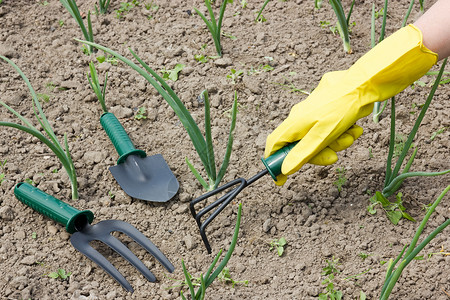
[288, 52]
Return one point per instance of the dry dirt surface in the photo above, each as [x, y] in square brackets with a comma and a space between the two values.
[288, 52]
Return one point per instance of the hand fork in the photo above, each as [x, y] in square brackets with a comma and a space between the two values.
[79, 223]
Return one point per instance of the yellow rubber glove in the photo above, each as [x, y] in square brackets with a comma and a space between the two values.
[324, 121]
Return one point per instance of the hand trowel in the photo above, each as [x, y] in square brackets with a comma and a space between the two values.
[140, 176]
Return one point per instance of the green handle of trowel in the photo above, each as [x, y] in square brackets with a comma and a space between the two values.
[273, 163]
[51, 207]
[119, 137]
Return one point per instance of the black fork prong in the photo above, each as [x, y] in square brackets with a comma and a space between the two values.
[126, 253]
[141, 239]
[100, 260]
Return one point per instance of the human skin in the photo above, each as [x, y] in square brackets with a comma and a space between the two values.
[435, 27]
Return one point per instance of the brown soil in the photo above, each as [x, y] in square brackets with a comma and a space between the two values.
[317, 221]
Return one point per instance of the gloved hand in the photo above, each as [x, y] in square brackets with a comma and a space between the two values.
[324, 121]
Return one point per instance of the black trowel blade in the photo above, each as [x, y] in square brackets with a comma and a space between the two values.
[148, 178]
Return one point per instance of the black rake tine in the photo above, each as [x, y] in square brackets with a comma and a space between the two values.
[223, 201]
[100, 260]
[212, 193]
[142, 240]
[126, 253]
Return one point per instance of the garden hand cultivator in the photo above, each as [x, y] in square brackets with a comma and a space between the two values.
[79, 223]
[273, 167]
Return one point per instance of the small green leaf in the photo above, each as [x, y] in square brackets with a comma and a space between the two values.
[394, 216]
[280, 250]
[53, 275]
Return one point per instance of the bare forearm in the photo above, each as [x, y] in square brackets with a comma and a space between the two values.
[435, 27]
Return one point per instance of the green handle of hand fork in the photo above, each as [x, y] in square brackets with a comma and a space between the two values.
[119, 137]
[273, 163]
[51, 207]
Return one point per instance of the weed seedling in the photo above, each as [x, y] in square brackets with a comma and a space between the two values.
[330, 271]
[61, 274]
[341, 180]
[235, 75]
[435, 134]
[279, 245]
[141, 113]
[363, 255]
[33, 235]
[125, 7]
[2, 173]
[172, 74]
[225, 277]
[291, 87]
[109, 59]
[394, 210]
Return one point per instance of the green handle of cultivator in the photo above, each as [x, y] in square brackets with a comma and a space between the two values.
[273, 163]
[119, 137]
[51, 207]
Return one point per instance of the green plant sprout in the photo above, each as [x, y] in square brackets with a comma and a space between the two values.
[441, 252]
[61, 274]
[43, 97]
[393, 177]
[2, 174]
[214, 26]
[234, 75]
[34, 235]
[259, 69]
[95, 85]
[203, 58]
[208, 278]
[399, 144]
[330, 271]
[125, 7]
[141, 113]
[244, 3]
[103, 5]
[172, 74]
[394, 210]
[259, 17]
[225, 277]
[291, 87]
[72, 8]
[404, 258]
[279, 245]
[363, 255]
[437, 132]
[203, 147]
[109, 59]
[341, 180]
[62, 153]
[151, 7]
